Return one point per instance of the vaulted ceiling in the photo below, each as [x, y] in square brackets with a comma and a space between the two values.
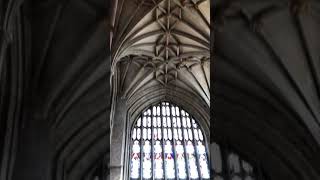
[267, 81]
[162, 43]
[59, 65]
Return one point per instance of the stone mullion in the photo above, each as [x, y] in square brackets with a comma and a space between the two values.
[184, 146]
[163, 154]
[196, 148]
[174, 143]
[141, 147]
[152, 144]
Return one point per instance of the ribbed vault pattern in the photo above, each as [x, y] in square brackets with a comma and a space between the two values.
[267, 81]
[54, 93]
[71, 71]
[168, 46]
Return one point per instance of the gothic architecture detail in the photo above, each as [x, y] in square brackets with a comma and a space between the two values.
[159, 90]
[169, 46]
[160, 52]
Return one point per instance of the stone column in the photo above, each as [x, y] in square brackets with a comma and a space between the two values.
[118, 135]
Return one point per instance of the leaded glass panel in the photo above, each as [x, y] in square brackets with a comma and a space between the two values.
[227, 164]
[168, 144]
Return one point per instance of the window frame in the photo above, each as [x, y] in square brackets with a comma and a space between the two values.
[226, 148]
[203, 125]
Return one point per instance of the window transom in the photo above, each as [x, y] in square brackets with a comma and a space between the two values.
[167, 143]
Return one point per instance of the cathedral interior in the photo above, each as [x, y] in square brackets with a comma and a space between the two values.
[160, 90]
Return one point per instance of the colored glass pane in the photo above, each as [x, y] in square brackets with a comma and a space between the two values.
[167, 142]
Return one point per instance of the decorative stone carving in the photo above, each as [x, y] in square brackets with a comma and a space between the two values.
[167, 45]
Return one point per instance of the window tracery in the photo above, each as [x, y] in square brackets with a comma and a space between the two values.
[167, 143]
[228, 165]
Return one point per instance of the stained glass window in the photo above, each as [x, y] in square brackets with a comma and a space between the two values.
[167, 143]
[226, 164]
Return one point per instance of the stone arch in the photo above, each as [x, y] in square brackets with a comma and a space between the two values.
[135, 111]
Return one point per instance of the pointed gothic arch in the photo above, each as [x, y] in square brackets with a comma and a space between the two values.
[167, 141]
